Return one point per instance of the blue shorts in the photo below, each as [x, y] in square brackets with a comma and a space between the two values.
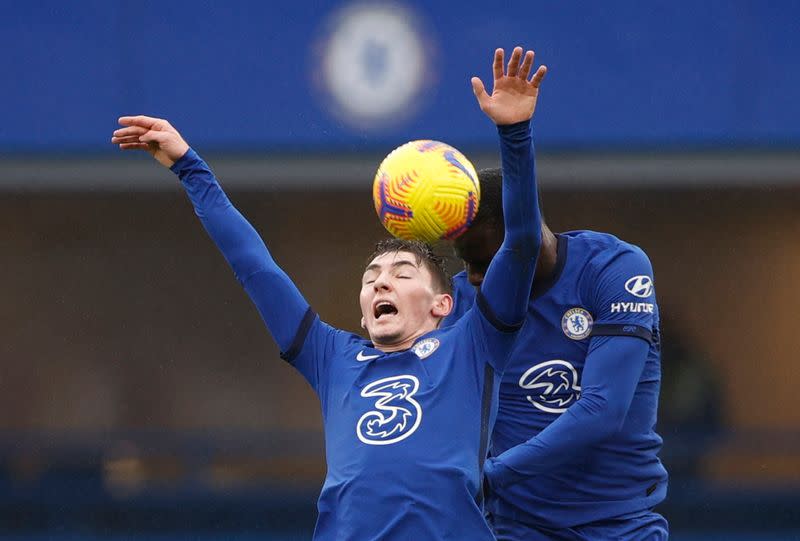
[647, 526]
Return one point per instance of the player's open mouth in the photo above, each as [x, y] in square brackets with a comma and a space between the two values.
[384, 308]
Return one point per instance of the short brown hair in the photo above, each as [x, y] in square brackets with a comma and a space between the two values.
[424, 255]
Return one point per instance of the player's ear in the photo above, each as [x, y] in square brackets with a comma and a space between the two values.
[363, 323]
[442, 305]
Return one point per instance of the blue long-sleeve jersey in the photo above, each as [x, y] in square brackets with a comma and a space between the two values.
[406, 432]
[574, 440]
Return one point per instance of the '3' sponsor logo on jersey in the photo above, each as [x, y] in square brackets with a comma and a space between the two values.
[396, 415]
[554, 385]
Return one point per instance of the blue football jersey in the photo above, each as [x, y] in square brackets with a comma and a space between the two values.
[406, 433]
[601, 287]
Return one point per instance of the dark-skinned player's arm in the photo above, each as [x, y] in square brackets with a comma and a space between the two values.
[615, 361]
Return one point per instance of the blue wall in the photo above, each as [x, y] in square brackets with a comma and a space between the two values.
[250, 76]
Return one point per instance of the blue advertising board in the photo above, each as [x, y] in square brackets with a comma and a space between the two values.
[351, 76]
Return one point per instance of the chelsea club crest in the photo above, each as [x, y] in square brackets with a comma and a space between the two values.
[425, 348]
[577, 323]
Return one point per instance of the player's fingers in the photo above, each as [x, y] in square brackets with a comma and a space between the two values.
[133, 146]
[130, 130]
[513, 63]
[497, 66]
[539, 76]
[525, 68]
[155, 136]
[479, 90]
[128, 139]
[140, 120]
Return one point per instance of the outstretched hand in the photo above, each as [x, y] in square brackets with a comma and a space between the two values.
[155, 135]
[513, 98]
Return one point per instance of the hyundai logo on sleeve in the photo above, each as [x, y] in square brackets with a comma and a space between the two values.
[640, 286]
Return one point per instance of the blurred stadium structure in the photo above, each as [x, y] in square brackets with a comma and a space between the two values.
[141, 397]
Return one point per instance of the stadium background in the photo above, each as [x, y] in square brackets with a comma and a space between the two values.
[140, 396]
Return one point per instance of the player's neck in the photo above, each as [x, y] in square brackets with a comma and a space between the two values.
[548, 255]
[404, 343]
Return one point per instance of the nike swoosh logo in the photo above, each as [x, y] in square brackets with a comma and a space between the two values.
[362, 357]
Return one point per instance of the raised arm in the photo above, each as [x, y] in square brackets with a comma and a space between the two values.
[281, 305]
[506, 286]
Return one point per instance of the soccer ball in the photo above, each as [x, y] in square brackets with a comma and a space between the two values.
[426, 190]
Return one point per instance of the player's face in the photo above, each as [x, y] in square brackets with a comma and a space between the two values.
[398, 300]
[476, 247]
